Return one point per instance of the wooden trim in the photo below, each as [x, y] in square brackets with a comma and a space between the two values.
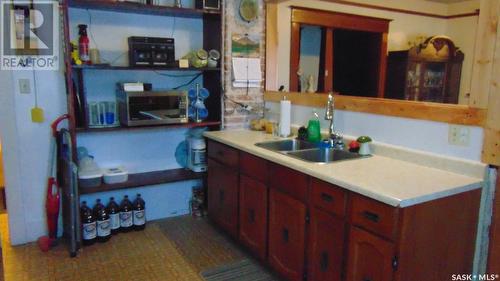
[382, 68]
[487, 93]
[295, 57]
[271, 46]
[483, 54]
[396, 10]
[455, 114]
[341, 20]
[329, 57]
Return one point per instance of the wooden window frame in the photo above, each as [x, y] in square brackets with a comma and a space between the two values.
[331, 21]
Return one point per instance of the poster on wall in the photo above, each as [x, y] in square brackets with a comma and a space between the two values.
[245, 45]
[245, 50]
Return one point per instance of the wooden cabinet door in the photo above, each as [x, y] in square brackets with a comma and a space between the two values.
[253, 215]
[370, 258]
[223, 196]
[326, 246]
[286, 235]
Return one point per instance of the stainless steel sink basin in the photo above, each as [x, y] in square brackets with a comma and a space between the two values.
[286, 145]
[323, 155]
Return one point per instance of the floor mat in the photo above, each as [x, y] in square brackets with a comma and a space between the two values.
[244, 270]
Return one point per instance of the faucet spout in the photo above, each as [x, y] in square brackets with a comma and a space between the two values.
[329, 114]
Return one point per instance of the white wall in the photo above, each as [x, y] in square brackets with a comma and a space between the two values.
[402, 28]
[26, 144]
[421, 135]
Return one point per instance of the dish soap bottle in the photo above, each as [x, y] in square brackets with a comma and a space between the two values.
[313, 129]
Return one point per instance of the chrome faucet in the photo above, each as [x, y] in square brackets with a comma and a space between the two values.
[336, 139]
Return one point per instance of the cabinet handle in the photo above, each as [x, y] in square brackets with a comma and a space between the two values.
[221, 196]
[251, 215]
[326, 197]
[371, 216]
[323, 263]
[285, 235]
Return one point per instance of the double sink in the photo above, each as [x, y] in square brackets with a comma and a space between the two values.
[308, 151]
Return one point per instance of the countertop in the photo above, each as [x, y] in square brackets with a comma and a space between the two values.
[388, 180]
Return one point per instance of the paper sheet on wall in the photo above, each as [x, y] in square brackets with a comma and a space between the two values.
[247, 72]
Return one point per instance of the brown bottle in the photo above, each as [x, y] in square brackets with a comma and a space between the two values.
[89, 229]
[103, 222]
[126, 218]
[139, 213]
[114, 215]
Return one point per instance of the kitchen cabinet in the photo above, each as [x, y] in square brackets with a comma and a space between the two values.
[370, 258]
[253, 215]
[326, 246]
[223, 196]
[315, 230]
[287, 226]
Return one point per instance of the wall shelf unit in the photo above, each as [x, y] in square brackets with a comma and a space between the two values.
[145, 68]
[147, 178]
[138, 8]
[210, 38]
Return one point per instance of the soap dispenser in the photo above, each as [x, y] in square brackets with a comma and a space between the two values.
[313, 128]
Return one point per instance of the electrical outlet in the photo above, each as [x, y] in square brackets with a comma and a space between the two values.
[24, 86]
[459, 135]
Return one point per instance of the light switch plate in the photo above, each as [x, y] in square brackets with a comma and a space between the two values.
[459, 135]
[24, 86]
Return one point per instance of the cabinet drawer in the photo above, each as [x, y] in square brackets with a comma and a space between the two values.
[223, 154]
[374, 216]
[253, 166]
[289, 181]
[328, 197]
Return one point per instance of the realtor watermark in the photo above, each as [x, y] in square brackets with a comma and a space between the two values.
[29, 35]
[475, 277]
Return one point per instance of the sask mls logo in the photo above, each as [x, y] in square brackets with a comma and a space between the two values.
[29, 35]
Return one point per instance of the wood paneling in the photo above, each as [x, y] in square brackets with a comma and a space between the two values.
[491, 145]
[384, 8]
[455, 114]
[253, 166]
[272, 46]
[339, 20]
[295, 58]
[484, 52]
[442, 234]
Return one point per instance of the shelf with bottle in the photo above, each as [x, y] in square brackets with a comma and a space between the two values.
[141, 8]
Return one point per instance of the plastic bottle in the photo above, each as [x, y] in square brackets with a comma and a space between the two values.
[83, 44]
[126, 219]
[139, 207]
[89, 229]
[114, 215]
[103, 222]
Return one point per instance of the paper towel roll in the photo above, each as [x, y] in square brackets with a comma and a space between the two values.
[285, 117]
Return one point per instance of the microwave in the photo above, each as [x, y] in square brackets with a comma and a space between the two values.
[152, 108]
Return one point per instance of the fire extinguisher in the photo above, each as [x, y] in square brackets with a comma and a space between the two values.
[83, 44]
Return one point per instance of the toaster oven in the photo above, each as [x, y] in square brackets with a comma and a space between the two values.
[152, 108]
